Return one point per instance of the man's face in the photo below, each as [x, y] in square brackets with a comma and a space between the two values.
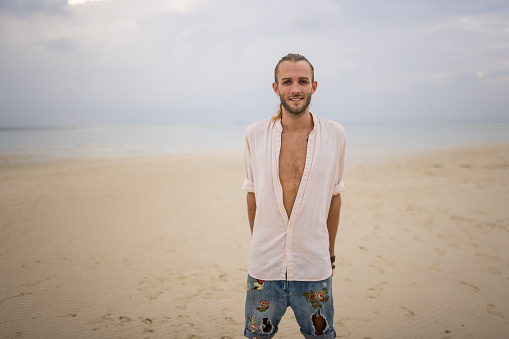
[295, 86]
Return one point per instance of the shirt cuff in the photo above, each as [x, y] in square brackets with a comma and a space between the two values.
[338, 188]
[248, 186]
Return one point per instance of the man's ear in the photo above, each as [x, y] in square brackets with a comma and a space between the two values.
[275, 87]
[315, 84]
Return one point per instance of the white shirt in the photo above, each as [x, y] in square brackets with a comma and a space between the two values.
[297, 246]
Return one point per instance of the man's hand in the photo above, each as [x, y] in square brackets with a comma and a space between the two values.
[332, 261]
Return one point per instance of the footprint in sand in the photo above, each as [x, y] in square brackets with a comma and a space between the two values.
[370, 235]
[491, 310]
[473, 287]
[124, 320]
[419, 239]
[494, 270]
[375, 291]
[453, 245]
[440, 251]
[459, 219]
[487, 256]
[94, 262]
[386, 262]
[436, 267]
[409, 313]
[31, 284]
[446, 236]
[378, 269]
[153, 288]
[147, 321]
[472, 244]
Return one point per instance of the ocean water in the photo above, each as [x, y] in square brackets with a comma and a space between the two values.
[364, 141]
[375, 142]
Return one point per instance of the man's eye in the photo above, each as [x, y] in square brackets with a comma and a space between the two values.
[303, 82]
[287, 82]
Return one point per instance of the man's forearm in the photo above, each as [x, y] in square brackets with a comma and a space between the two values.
[251, 209]
[333, 221]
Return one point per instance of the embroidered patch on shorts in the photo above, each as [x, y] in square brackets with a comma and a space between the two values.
[258, 285]
[264, 306]
[318, 298]
[252, 326]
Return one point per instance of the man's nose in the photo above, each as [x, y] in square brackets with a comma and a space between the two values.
[295, 88]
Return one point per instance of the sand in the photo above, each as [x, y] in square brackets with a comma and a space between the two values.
[156, 247]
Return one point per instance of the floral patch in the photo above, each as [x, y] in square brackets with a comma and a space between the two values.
[318, 298]
[252, 326]
[265, 306]
[258, 285]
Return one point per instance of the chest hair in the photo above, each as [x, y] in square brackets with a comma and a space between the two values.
[292, 161]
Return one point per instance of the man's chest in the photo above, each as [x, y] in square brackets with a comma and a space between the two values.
[292, 160]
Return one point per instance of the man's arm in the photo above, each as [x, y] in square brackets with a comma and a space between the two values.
[333, 221]
[251, 209]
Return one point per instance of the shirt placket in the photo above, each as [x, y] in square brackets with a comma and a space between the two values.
[278, 189]
[298, 204]
[290, 222]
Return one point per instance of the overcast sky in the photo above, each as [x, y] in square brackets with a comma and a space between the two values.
[147, 62]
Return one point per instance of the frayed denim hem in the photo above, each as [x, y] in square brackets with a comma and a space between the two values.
[250, 334]
[331, 335]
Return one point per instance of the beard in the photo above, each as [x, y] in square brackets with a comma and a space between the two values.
[299, 110]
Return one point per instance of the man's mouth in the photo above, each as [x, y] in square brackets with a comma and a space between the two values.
[295, 99]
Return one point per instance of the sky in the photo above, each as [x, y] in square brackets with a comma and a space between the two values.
[153, 62]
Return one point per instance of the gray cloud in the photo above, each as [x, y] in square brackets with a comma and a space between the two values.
[29, 7]
[62, 45]
[192, 61]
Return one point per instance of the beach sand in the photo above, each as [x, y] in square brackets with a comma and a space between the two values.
[156, 247]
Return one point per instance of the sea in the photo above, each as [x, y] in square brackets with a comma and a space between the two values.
[365, 142]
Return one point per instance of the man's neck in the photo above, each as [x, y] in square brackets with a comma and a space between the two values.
[293, 123]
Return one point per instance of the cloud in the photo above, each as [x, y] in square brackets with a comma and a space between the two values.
[197, 61]
[80, 2]
[62, 45]
[30, 7]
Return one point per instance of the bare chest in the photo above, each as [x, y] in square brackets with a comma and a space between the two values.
[292, 160]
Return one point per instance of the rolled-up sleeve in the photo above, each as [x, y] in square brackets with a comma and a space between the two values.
[248, 168]
[340, 186]
[248, 186]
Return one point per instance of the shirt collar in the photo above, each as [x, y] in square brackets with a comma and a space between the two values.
[279, 126]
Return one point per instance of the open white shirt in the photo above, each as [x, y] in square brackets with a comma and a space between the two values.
[297, 247]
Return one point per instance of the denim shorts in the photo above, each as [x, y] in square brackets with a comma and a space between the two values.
[311, 302]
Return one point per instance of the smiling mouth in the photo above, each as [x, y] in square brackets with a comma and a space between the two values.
[295, 99]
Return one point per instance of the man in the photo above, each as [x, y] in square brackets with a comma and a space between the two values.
[294, 168]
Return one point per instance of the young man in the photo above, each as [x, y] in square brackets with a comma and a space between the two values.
[294, 168]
